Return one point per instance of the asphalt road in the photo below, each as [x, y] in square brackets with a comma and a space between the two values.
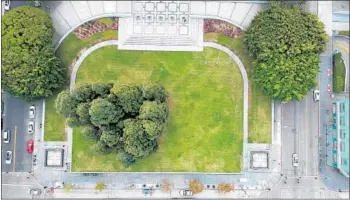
[16, 119]
[300, 136]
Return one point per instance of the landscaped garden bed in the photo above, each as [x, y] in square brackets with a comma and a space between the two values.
[222, 27]
[68, 52]
[338, 73]
[205, 127]
[259, 116]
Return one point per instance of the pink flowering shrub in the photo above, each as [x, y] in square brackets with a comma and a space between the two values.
[90, 28]
[219, 26]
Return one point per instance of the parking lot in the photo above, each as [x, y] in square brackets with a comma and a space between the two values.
[16, 119]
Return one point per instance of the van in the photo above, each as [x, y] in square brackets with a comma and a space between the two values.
[6, 136]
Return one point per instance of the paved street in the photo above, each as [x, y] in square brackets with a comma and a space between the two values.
[16, 120]
[299, 135]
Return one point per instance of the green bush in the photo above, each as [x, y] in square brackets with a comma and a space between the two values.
[338, 73]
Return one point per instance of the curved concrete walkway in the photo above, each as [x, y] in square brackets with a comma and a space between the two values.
[206, 44]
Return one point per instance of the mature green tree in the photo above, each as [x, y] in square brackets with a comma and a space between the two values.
[112, 138]
[82, 111]
[153, 92]
[101, 148]
[286, 30]
[73, 121]
[152, 128]
[102, 89]
[103, 112]
[91, 132]
[136, 140]
[153, 110]
[125, 159]
[290, 81]
[287, 41]
[64, 104]
[129, 97]
[82, 93]
[29, 67]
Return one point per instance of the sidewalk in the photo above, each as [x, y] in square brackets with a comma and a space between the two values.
[137, 193]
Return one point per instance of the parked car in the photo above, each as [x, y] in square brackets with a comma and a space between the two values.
[6, 136]
[30, 146]
[295, 160]
[31, 127]
[37, 3]
[7, 5]
[34, 191]
[316, 95]
[32, 112]
[186, 192]
[8, 157]
[147, 191]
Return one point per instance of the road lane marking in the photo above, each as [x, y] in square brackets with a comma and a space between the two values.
[342, 47]
[16, 185]
[14, 150]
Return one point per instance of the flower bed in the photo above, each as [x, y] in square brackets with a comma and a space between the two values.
[219, 26]
[95, 26]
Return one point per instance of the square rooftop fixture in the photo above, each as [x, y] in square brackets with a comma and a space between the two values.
[259, 160]
[161, 7]
[54, 157]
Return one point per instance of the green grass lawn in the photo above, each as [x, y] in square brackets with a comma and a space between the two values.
[205, 129]
[259, 104]
[344, 33]
[67, 52]
[338, 73]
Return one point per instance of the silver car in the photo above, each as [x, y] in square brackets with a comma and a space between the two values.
[316, 95]
[31, 127]
[6, 136]
[295, 160]
[7, 5]
[32, 112]
[8, 157]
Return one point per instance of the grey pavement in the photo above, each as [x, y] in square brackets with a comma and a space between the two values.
[340, 6]
[16, 119]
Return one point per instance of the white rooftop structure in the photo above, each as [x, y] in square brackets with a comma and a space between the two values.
[54, 157]
[161, 25]
[259, 160]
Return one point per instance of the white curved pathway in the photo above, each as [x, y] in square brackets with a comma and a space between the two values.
[206, 44]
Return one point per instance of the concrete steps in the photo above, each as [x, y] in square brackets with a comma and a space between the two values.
[159, 40]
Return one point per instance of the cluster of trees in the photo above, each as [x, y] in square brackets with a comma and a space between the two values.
[126, 119]
[29, 67]
[286, 42]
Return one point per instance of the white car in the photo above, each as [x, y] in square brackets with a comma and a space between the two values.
[32, 112]
[295, 160]
[186, 192]
[316, 95]
[34, 191]
[7, 5]
[8, 157]
[31, 127]
[6, 136]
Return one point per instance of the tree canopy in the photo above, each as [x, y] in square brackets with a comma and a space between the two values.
[287, 41]
[29, 68]
[122, 121]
